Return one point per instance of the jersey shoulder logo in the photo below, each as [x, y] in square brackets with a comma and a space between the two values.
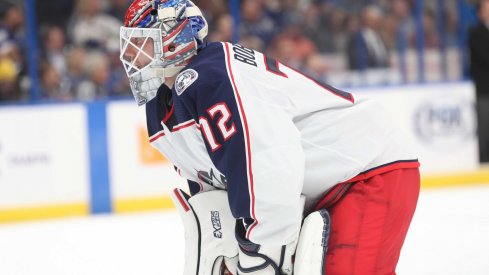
[184, 80]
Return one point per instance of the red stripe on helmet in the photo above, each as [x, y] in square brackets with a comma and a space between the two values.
[141, 17]
[175, 31]
[186, 49]
[134, 8]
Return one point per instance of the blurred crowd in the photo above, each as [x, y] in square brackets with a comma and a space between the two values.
[79, 40]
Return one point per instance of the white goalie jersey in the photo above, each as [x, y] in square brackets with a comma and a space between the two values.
[240, 121]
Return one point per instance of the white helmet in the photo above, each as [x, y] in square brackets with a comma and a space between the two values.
[157, 40]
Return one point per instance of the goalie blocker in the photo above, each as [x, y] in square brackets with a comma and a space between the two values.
[215, 243]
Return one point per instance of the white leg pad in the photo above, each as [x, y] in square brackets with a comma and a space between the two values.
[209, 232]
[310, 258]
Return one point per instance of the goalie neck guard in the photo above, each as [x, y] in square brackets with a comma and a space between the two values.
[157, 40]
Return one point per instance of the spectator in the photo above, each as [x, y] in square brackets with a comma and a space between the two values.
[479, 58]
[452, 23]
[12, 24]
[317, 26]
[338, 32]
[9, 89]
[55, 12]
[75, 70]
[325, 27]
[97, 69]
[12, 42]
[54, 49]
[353, 6]
[92, 28]
[316, 66]
[53, 86]
[117, 83]
[117, 8]
[431, 38]
[223, 29]
[390, 31]
[213, 10]
[402, 11]
[284, 12]
[55, 83]
[292, 47]
[398, 29]
[252, 42]
[258, 21]
[366, 49]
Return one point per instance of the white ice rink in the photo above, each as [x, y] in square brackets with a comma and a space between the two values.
[449, 236]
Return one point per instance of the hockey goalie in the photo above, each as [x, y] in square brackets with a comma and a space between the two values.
[286, 174]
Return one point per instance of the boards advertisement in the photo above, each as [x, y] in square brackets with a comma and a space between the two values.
[43, 155]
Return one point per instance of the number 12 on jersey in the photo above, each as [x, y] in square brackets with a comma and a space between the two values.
[222, 112]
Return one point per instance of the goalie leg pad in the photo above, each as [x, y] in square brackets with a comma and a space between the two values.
[209, 232]
[310, 258]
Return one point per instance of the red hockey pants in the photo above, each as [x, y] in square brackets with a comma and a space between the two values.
[370, 221]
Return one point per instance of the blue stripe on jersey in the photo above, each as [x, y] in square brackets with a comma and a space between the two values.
[212, 87]
[272, 66]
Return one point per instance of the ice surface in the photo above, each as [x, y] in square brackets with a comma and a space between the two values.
[449, 235]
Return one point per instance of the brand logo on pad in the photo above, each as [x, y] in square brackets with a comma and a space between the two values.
[216, 224]
[184, 80]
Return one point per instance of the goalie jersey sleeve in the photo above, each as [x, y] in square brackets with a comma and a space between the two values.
[252, 142]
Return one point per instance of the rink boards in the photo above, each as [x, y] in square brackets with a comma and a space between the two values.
[80, 158]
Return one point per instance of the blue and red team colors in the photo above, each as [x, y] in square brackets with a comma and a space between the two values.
[238, 120]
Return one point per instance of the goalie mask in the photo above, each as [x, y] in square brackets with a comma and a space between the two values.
[157, 41]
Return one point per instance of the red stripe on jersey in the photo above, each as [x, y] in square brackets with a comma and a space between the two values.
[169, 114]
[248, 149]
[183, 125]
[157, 137]
[182, 201]
[176, 129]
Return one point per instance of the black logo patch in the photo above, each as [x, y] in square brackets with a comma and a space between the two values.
[216, 224]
